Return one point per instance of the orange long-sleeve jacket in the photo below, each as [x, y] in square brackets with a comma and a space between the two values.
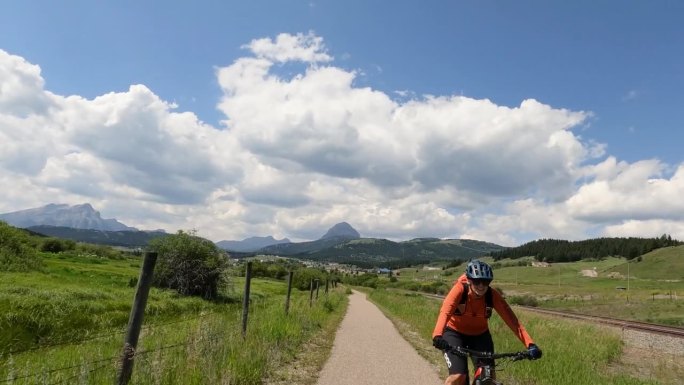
[473, 318]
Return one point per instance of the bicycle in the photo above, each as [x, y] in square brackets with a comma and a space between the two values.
[485, 363]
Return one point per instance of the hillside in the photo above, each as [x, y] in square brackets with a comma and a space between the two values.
[130, 239]
[370, 252]
[666, 263]
[558, 250]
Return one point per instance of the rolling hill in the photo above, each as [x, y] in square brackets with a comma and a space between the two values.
[666, 263]
[370, 252]
[131, 239]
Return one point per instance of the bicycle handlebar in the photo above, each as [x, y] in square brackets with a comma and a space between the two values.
[515, 356]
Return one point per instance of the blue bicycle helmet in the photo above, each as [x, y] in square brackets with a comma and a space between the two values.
[479, 270]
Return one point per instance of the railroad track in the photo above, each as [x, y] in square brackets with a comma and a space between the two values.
[670, 331]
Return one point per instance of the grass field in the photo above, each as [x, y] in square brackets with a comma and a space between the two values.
[652, 290]
[66, 324]
[574, 353]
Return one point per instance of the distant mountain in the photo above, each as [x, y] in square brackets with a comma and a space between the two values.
[82, 216]
[343, 244]
[342, 230]
[250, 244]
[132, 239]
[339, 233]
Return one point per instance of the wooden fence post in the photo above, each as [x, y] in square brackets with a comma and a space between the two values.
[311, 292]
[245, 299]
[326, 287]
[317, 284]
[136, 318]
[289, 291]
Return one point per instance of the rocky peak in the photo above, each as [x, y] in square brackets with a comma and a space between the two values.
[342, 230]
[82, 216]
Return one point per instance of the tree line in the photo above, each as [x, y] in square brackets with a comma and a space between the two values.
[557, 250]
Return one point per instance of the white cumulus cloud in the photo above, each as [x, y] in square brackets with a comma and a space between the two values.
[298, 153]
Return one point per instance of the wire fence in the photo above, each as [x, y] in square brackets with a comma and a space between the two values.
[118, 361]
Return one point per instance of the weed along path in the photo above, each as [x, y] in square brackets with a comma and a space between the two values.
[368, 349]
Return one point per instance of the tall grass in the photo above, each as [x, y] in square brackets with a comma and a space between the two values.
[66, 324]
[206, 349]
[574, 353]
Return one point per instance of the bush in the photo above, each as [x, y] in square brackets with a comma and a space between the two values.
[189, 264]
[16, 251]
[56, 245]
[87, 249]
[525, 300]
[302, 278]
[365, 279]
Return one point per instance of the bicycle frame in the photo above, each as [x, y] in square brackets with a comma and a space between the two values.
[485, 373]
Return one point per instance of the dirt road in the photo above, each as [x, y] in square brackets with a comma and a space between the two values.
[369, 350]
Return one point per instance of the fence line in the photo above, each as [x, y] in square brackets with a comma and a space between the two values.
[77, 375]
[135, 324]
[99, 336]
[54, 370]
[136, 318]
[245, 298]
[108, 360]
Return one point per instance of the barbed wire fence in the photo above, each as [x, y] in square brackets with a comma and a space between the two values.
[124, 361]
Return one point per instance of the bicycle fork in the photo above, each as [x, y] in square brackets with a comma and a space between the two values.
[484, 375]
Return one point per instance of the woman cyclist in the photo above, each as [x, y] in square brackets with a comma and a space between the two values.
[463, 320]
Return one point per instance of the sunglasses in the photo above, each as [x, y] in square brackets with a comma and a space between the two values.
[480, 282]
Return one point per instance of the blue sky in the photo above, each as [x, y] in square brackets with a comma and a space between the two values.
[602, 78]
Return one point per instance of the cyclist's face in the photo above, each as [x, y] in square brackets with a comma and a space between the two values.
[479, 286]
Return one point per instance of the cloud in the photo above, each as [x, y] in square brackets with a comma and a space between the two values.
[21, 87]
[128, 141]
[286, 47]
[351, 132]
[630, 95]
[623, 191]
[646, 228]
[298, 153]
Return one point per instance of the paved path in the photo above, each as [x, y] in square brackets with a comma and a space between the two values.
[369, 350]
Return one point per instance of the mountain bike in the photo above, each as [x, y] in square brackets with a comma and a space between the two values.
[485, 363]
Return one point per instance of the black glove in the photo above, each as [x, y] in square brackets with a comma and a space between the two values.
[534, 352]
[440, 343]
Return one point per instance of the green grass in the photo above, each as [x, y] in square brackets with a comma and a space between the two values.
[66, 323]
[574, 353]
[654, 295]
[75, 297]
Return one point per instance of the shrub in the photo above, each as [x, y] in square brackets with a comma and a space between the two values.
[302, 278]
[366, 280]
[189, 264]
[525, 300]
[56, 245]
[16, 252]
[87, 249]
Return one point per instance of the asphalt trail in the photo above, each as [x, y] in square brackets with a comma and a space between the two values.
[368, 349]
